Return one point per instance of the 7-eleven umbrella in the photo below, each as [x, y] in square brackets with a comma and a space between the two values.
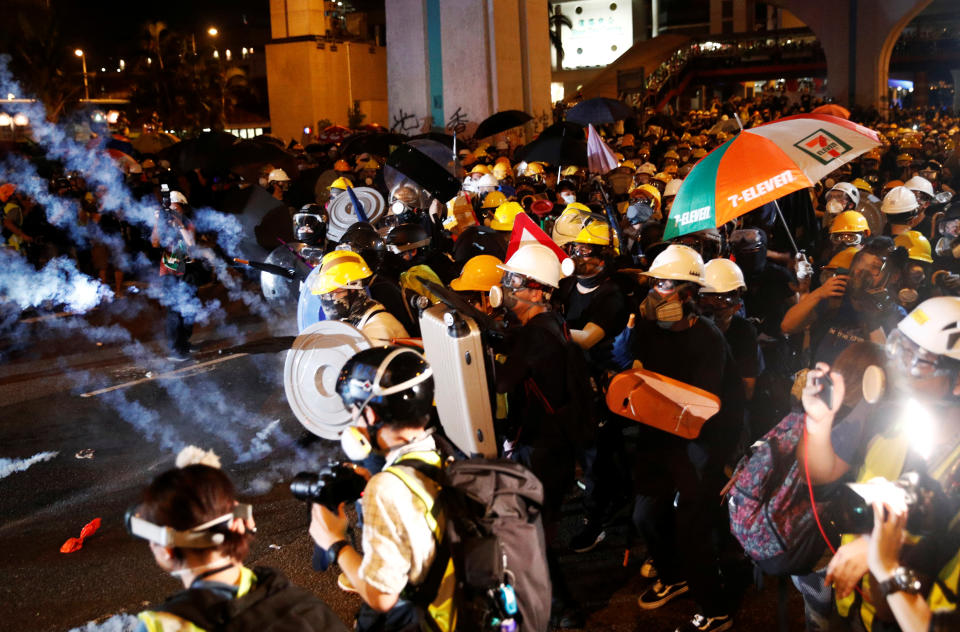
[763, 164]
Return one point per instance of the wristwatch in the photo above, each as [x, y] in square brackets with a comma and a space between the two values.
[902, 579]
[334, 551]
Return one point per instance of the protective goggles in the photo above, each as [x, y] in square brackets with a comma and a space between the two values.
[582, 250]
[721, 299]
[846, 239]
[912, 358]
[199, 537]
[514, 281]
[666, 286]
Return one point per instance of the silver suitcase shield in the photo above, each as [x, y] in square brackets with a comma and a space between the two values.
[454, 349]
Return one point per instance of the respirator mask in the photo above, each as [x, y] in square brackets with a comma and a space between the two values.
[663, 303]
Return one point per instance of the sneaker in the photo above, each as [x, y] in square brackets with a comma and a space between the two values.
[700, 623]
[178, 356]
[660, 593]
[647, 569]
[589, 537]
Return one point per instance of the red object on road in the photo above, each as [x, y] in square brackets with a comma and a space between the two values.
[75, 544]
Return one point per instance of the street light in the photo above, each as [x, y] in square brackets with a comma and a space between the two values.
[83, 60]
[212, 31]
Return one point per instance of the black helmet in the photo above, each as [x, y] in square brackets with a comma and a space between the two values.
[309, 224]
[396, 382]
[361, 237]
[407, 237]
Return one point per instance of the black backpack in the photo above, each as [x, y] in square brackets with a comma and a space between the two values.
[494, 537]
[274, 605]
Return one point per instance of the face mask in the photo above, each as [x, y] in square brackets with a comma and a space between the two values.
[834, 207]
[666, 310]
[569, 198]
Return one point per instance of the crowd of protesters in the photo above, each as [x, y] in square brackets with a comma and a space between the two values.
[733, 310]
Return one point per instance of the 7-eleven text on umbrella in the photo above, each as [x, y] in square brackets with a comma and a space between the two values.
[762, 188]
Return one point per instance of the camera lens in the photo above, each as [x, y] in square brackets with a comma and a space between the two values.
[304, 486]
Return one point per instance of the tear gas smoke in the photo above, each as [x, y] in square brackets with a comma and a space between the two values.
[116, 623]
[9, 466]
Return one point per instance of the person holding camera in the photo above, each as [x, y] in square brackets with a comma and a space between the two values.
[200, 535]
[175, 234]
[924, 363]
[389, 391]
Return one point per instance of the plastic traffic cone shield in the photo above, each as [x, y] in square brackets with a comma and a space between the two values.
[661, 402]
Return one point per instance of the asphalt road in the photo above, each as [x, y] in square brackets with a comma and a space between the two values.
[230, 398]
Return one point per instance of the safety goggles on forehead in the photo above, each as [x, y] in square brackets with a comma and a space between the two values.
[199, 537]
[912, 358]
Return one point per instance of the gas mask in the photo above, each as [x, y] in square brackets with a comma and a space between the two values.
[343, 305]
[834, 207]
[720, 306]
[663, 304]
[308, 228]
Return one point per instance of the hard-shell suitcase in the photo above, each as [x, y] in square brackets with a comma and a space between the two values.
[454, 348]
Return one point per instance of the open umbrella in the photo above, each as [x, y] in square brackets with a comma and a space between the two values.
[501, 122]
[424, 171]
[154, 142]
[377, 143]
[247, 156]
[555, 150]
[600, 158]
[763, 164]
[565, 128]
[334, 134]
[598, 111]
[207, 151]
[832, 109]
[440, 137]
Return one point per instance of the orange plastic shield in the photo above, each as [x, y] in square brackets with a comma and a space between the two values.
[662, 402]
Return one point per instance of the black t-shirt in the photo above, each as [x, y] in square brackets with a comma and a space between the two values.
[766, 296]
[604, 306]
[701, 357]
[742, 338]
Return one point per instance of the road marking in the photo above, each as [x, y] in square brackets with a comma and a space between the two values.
[184, 372]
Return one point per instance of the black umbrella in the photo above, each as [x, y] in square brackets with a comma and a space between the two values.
[501, 122]
[376, 143]
[247, 156]
[599, 110]
[556, 150]
[565, 128]
[440, 137]
[208, 151]
[423, 170]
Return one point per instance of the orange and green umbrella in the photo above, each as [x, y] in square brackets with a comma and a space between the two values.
[763, 164]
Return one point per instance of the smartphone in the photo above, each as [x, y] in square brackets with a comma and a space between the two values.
[826, 390]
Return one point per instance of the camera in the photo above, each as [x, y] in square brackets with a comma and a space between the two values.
[335, 483]
[851, 511]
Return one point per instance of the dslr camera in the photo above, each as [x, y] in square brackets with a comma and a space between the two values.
[335, 483]
[853, 513]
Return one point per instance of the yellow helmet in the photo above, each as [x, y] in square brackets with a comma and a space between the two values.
[479, 274]
[534, 169]
[570, 171]
[501, 171]
[850, 222]
[481, 169]
[663, 177]
[502, 160]
[629, 165]
[918, 247]
[699, 153]
[651, 192]
[370, 164]
[863, 185]
[340, 269]
[570, 223]
[844, 258]
[505, 215]
[596, 233]
[494, 199]
[341, 183]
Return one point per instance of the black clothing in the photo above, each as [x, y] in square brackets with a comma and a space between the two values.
[766, 297]
[605, 307]
[742, 338]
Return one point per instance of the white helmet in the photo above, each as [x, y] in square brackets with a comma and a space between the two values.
[278, 175]
[919, 183]
[540, 263]
[935, 325]
[678, 263]
[899, 200]
[178, 198]
[469, 185]
[135, 168]
[487, 180]
[648, 168]
[672, 187]
[852, 192]
[722, 275]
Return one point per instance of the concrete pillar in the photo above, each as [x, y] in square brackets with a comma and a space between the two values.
[956, 89]
[857, 38]
[408, 66]
[716, 16]
[740, 21]
[921, 89]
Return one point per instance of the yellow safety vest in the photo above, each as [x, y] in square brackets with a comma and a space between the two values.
[442, 609]
[167, 622]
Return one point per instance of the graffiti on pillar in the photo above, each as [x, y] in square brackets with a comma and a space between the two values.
[404, 122]
[457, 122]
